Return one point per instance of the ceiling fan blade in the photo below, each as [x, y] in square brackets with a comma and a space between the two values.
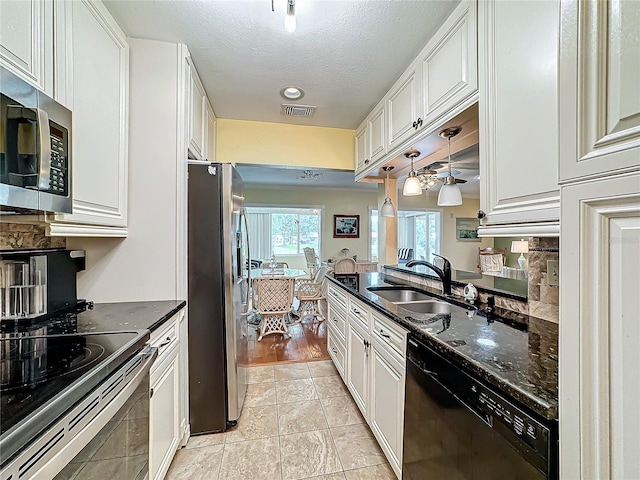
[460, 180]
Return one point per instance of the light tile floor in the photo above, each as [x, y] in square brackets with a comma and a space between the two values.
[299, 422]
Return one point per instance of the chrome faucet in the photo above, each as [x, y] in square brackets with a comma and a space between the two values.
[443, 273]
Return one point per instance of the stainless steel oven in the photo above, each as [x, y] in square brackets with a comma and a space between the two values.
[104, 435]
[35, 145]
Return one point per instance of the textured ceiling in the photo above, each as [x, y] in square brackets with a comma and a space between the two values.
[344, 54]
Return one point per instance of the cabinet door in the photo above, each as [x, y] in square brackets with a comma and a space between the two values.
[449, 64]
[210, 152]
[599, 381]
[402, 108]
[336, 350]
[100, 124]
[197, 121]
[519, 113]
[26, 41]
[163, 423]
[358, 366]
[599, 93]
[362, 160]
[377, 134]
[386, 405]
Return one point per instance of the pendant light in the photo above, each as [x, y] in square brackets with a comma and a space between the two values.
[450, 194]
[412, 184]
[290, 19]
[387, 210]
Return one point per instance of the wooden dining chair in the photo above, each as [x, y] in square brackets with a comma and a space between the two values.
[274, 298]
[345, 265]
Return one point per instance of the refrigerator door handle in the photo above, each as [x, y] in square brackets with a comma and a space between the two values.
[243, 212]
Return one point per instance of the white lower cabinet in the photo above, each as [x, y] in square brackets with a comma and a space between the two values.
[357, 368]
[386, 402]
[165, 413]
[163, 425]
[374, 369]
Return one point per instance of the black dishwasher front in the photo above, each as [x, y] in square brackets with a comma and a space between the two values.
[456, 427]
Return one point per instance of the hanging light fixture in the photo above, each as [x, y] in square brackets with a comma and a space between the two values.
[450, 194]
[387, 210]
[412, 184]
[290, 19]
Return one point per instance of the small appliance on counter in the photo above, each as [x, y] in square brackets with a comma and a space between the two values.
[37, 283]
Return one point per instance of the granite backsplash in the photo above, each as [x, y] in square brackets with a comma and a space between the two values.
[18, 235]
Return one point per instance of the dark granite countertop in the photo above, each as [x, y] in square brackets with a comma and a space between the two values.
[516, 353]
[128, 315]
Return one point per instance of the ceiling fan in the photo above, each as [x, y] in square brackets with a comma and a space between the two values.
[429, 176]
[310, 175]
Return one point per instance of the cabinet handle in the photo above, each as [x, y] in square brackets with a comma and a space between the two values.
[366, 162]
[151, 393]
[415, 124]
[334, 350]
[419, 122]
[334, 319]
[384, 334]
[356, 311]
[165, 343]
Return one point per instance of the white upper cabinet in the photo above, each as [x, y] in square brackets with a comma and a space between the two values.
[518, 104]
[599, 93]
[362, 152]
[448, 65]
[100, 125]
[403, 104]
[197, 118]
[26, 41]
[377, 134]
[441, 82]
[210, 152]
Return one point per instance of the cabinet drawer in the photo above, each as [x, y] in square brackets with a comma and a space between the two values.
[337, 296]
[165, 338]
[336, 350]
[359, 312]
[389, 335]
[338, 319]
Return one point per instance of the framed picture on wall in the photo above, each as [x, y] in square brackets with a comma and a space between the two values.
[467, 229]
[346, 226]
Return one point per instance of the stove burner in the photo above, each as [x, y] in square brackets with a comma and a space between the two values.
[29, 361]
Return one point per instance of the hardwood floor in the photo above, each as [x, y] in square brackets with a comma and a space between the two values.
[306, 341]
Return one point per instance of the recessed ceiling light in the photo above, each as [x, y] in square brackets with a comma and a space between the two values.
[292, 93]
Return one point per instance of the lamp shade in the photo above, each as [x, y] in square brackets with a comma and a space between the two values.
[412, 186]
[387, 209]
[520, 246]
[449, 195]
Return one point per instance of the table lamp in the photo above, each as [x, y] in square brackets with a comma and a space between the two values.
[521, 247]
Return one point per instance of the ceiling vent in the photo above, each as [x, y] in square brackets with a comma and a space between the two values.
[293, 110]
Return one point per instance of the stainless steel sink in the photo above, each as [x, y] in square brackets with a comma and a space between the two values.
[428, 306]
[396, 295]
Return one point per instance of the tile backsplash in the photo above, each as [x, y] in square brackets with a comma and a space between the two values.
[17, 235]
[544, 257]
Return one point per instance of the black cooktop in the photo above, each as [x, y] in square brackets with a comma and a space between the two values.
[47, 367]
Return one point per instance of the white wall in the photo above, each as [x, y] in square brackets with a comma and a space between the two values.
[333, 201]
[143, 266]
[463, 255]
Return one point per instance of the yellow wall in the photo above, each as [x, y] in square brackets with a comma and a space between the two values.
[240, 141]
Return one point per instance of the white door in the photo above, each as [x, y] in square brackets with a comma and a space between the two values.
[362, 160]
[403, 104]
[377, 134]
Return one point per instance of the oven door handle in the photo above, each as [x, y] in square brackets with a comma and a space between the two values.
[479, 413]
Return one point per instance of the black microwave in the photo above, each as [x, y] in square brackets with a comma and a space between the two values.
[35, 144]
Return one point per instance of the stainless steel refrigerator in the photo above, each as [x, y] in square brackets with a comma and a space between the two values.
[218, 296]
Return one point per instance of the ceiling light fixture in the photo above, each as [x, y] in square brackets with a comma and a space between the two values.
[387, 210]
[292, 93]
[412, 184]
[290, 19]
[450, 194]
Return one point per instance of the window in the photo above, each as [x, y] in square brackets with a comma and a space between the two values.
[419, 230]
[282, 230]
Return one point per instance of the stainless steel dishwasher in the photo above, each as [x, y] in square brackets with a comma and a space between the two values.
[457, 427]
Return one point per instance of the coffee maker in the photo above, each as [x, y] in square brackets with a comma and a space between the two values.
[35, 284]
